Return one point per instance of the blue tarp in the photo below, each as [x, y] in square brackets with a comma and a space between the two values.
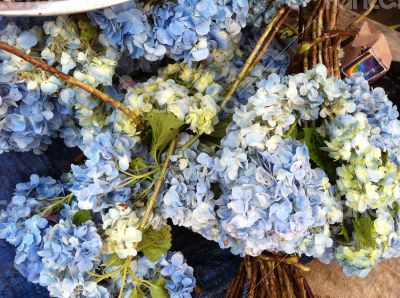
[213, 267]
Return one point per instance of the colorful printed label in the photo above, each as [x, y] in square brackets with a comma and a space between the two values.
[367, 64]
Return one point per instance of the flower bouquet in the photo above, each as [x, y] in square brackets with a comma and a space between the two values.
[273, 167]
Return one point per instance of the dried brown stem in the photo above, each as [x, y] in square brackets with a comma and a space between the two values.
[72, 81]
[330, 35]
[299, 282]
[336, 62]
[319, 30]
[273, 279]
[237, 283]
[290, 27]
[253, 54]
[261, 53]
[314, 14]
[314, 49]
[288, 281]
[264, 275]
[281, 281]
[308, 289]
[330, 57]
[333, 16]
[254, 278]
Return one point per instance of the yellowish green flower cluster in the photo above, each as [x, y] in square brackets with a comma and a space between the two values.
[188, 93]
[367, 179]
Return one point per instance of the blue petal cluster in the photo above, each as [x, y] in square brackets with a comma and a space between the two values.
[21, 228]
[180, 280]
[186, 30]
[29, 119]
[67, 245]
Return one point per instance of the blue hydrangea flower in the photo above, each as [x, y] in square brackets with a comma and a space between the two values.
[180, 280]
[27, 260]
[29, 124]
[92, 181]
[67, 246]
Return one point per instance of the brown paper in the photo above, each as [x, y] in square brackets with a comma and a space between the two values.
[369, 38]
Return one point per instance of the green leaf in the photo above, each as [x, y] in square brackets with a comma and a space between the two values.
[136, 293]
[81, 216]
[315, 143]
[214, 139]
[88, 33]
[304, 47]
[345, 233]
[155, 242]
[157, 289]
[164, 127]
[293, 131]
[220, 129]
[364, 232]
[114, 260]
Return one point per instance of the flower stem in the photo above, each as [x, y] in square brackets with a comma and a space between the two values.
[124, 272]
[191, 141]
[330, 35]
[253, 54]
[271, 36]
[157, 188]
[71, 80]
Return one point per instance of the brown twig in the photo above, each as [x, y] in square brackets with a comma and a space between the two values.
[314, 49]
[314, 13]
[299, 282]
[333, 15]
[271, 36]
[330, 35]
[71, 80]
[331, 63]
[308, 289]
[290, 27]
[253, 54]
[288, 281]
[157, 188]
[237, 283]
[319, 30]
[363, 16]
[253, 285]
[273, 278]
[264, 274]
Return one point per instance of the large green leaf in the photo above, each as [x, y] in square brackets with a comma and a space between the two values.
[157, 289]
[136, 293]
[315, 143]
[81, 216]
[88, 32]
[155, 242]
[164, 127]
[364, 232]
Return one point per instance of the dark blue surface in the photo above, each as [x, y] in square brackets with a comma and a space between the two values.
[14, 168]
[213, 267]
